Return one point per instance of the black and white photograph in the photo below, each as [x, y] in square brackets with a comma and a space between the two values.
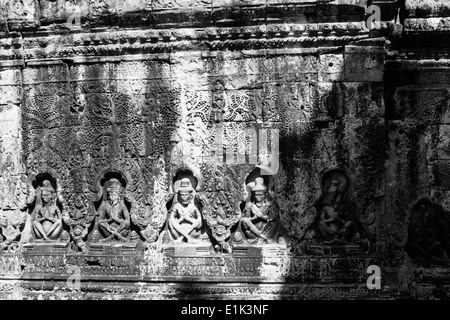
[225, 155]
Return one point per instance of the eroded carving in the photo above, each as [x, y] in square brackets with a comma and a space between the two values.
[13, 189]
[46, 216]
[185, 220]
[13, 186]
[336, 221]
[150, 219]
[79, 220]
[12, 224]
[260, 223]
[222, 213]
[429, 232]
[113, 215]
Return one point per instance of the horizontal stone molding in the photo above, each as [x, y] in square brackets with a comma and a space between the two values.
[427, 8]
[158, 291]
[163, 267]
[31, 14]
[287, 38]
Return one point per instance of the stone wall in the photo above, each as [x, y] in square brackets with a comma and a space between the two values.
[223, 149]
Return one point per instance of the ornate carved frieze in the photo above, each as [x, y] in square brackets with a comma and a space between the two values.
[251, 148]
[39, 45]
[427, 8]
[264, 268]
[64, 14]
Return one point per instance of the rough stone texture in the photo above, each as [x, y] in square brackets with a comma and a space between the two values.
[134, 97]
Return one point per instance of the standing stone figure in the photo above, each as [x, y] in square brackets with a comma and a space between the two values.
[259, 222]
[114, 218]
[47, 221]
[185, 220]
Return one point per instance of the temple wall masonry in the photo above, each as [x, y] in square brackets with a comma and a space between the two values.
[244, 149]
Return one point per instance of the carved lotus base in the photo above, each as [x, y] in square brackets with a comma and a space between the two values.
[353, 248]
[114, 248]
[41, 246]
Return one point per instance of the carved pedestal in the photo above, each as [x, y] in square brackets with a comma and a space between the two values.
[186, 250]
[355, 248]
[262, 250]
[114, 248]
[46, 247]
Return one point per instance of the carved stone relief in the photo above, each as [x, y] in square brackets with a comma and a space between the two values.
[46, 212]
[23, 13]
[260, 222]
[223, 213]
[428, 232]
[336, 222]
[79, 221]
[113, 215]
[186, 209]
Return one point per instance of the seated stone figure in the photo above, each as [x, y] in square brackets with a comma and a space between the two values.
[185, 220]
[423, 237]
[259, 221]
[47, 221]
[114, 218]
[335, 221]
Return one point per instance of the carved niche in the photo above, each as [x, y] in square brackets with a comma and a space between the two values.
[336, 222]
[46, 209]
[260, 222]
[185, 223]
[113, 206]
[429, 232]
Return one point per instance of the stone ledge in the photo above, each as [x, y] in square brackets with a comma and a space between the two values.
[279, 39]
[32, 14]
[160, 291]
[427, 8]
[261, 268]
[427, 25]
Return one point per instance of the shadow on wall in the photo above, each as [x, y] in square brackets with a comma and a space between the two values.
[429, 233]
[134, 130]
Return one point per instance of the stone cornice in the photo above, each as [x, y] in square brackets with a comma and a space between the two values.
[33, 14]
[441, 24]
[426, 16]
[427, 8]
[113, 42]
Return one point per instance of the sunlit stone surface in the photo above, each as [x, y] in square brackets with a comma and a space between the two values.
[265, 149]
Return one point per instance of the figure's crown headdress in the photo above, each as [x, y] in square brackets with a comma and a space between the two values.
[114, 185]
[334, 186]
[47, 186]
[185, 185]
[259, 185]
